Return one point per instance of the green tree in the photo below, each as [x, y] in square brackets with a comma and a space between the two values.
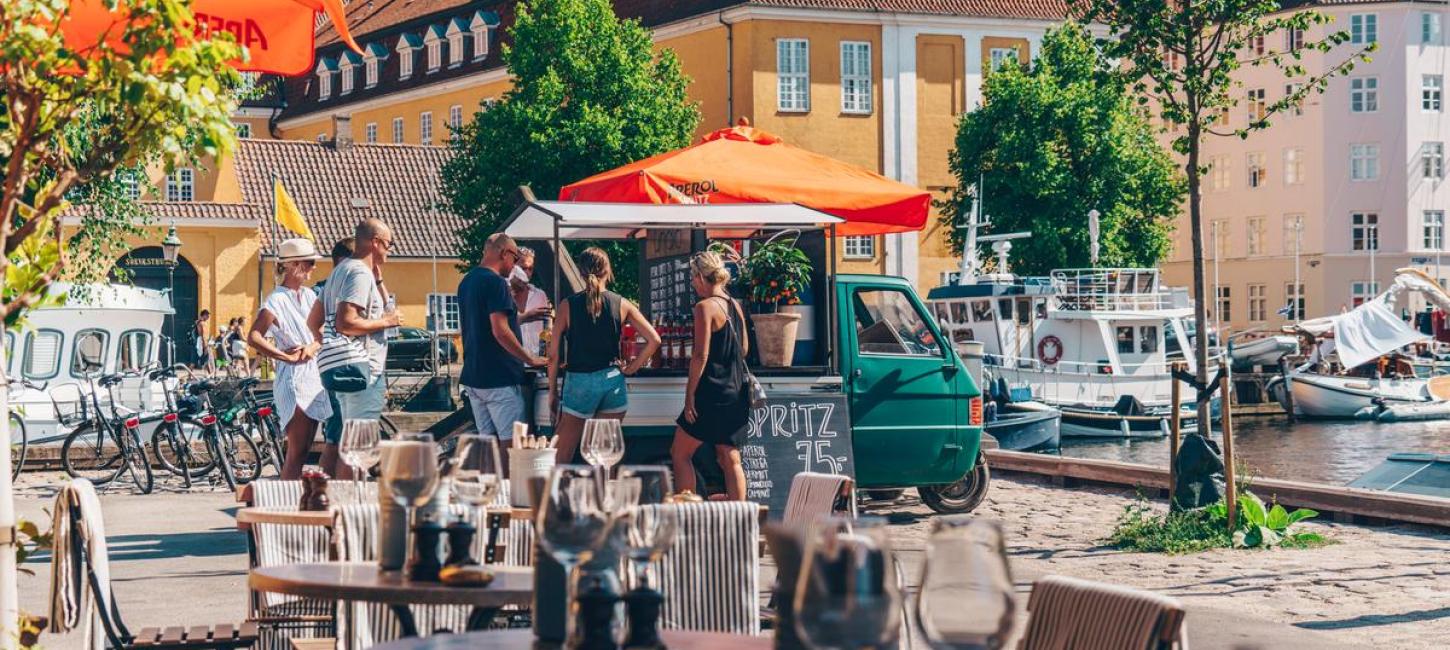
[590, 94]
[1180, 59]
[70, 117]
[1053, 141]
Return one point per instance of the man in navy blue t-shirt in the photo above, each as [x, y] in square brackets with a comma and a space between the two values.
[493, 357]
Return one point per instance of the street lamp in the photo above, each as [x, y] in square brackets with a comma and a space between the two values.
[170, 251]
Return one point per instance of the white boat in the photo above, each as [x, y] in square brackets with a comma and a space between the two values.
[96, 328]
[1264, 351]
[1329, 396]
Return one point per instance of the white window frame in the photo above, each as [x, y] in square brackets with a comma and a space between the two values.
[1219, 170]
[1364, 231]
[1432, 93]
[181, 185]
[455, 120]
[370, 70]
[446, 306]
[433, 46]
[1293, 234]
[856, 87]
[1432, 160]
[1258, 302]
[344, 69]
[406, 57]
[324, 81]
[1219, 230]
[1297, 108]
[859, 247]
[1294, 300]
[244, 129]
[1258, 104]
[1293, 166]
[130, 180]
[793, 75]
[1257, 235]
[1430, 28]
[398, 130]
[996, 56]
[1364, 162]
[480, 41]
[1432, 229]
[1257, 169]
[425, 128]
[1293, 39]
[1361, 291]
[1363, 28]
[1364, 94]
[455, 49]
[1224, 305]
[370, 132]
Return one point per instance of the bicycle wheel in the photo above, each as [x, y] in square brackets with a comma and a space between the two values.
[19, 443]
[174, 445]
[91, 453]
[243, 456]
[270, 447]
[137, 465]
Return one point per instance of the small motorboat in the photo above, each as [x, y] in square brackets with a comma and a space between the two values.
[1334, 396]
[1032, 426]
[1265, 351]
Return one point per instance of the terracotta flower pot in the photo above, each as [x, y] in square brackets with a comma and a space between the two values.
[776, 334]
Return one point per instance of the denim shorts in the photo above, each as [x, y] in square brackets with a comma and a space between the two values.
[587, 394]
[366, 404]
[495, 410]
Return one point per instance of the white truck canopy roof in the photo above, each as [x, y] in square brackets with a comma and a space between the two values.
[537, 219]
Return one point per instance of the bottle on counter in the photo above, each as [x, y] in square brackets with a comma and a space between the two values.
[626, 342]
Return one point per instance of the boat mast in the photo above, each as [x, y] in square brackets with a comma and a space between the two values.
[968, 274]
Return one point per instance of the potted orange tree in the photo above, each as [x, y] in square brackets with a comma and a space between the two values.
[776, 273]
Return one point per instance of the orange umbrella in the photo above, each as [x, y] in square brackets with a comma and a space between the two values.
[278, 34]
[746, 165]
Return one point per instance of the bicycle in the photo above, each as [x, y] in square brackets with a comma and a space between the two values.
[235, 454]
[262, 417]
[19, 438]
[174, 441]
[85, 453]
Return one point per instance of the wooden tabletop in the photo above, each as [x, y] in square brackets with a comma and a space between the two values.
[366, 582]
[294, 517]
[524, 639]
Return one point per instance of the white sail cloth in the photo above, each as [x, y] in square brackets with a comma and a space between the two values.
[1370, 331]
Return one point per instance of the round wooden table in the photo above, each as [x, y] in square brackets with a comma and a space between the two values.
[366, 582]
[292, 517]
[522, 639]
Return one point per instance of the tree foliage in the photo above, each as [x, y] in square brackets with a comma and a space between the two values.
[589, 94]
[70, 117]
[1055, 140]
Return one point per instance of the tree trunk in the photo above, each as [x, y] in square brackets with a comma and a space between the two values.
[1200, 290]
[9, 587]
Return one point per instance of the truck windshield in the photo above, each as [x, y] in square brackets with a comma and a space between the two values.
[888, 323]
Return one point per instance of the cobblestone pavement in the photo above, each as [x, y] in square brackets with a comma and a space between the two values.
[1386, 586]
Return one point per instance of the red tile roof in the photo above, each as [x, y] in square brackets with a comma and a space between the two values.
[163, 211]
[337, 189]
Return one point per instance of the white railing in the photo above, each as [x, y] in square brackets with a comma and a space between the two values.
[1108, 290]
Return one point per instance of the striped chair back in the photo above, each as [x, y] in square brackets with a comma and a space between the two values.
[282, 616]
[1068, 613]
[814, 495]
[710, 577]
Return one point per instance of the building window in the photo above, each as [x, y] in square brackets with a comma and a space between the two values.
[1257, 235]
[1363, 28]
[1434, 223]
[1225, 304]
[130, 182]
[1293, 234]
[455, 121]
[370, 132]
[1364, 162]
[1364, 231]
[1258, 174]
[407, 46]
[443, 312]
[1256, 43]
[793, 75]
[1171, 59]
[455, 49]
[1218, 173]
[244, 129]
[180, 185]
[1218, 231]
[1290, 90]
[855, 77]
[860, 248]
[397, 130]
[1361, 291]
[370, 70]
[1432, 160]
[480, 39]
[1258, 108]
[1258, 302]
[1293, 166]
[425, 127]
[1364, 94]
[1293, 309]
[345, 71]
[433, 45]
[324, 81]
[1432, 88]
[1429, 28]
[1223, 117]
[998, 56]
[1293, 39]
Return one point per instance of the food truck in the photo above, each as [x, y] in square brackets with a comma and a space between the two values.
[880, 394]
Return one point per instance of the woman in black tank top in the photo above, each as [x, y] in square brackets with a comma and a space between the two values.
[588, 328]
[717, 404]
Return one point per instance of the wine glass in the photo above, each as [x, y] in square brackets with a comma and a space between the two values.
[603, 443]
[651, 530]
[359, 449]
[656, 482]
[848, 596]
[477, 470]
[411, 475]
[572, 523]
[965, 601]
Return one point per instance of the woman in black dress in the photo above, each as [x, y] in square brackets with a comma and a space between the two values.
[717, 404]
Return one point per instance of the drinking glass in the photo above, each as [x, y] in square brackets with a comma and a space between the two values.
[651, 530]
[359, 449]
[965, 601]
[573, 524]
[411, 475]
[848, 596]
[603, 443]
[656, 482]
[477, 471]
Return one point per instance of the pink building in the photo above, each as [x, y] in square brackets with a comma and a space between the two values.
[1355, 176]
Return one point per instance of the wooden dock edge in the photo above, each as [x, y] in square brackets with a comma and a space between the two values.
[1345, 504]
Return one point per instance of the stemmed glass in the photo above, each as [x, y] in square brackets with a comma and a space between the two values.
[477, 471]
[848, 596]
[965, 602]
[411, 475]
[572, 524]
[652, 525]
[603, 443]
[656, 483]
[359, 449]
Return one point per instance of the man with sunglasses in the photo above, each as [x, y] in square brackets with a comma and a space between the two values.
[493, 355]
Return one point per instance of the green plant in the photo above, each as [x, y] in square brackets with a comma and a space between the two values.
[1142, 528]
[776, 273]
[1267, 527]
[31, 540]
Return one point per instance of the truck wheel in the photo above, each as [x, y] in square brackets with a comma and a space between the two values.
[960, 497]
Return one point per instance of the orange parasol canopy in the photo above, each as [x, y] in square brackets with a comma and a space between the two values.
[278, 34]
[742, 164]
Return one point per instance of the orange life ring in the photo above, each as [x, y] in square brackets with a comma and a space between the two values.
[1049, 350]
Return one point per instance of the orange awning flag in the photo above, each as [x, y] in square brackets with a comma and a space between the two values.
[278, 34]
[746, 165]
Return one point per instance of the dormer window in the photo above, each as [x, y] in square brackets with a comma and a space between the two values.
[373, 56]
[456, 31]
[433, 44]
[408, 44]
[478, 26]
[325, 67]
[346, 66]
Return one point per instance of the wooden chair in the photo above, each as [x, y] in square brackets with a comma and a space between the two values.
[282, 617]
[710, 577]
[117, 634]
[1084, 615]
[814, 495]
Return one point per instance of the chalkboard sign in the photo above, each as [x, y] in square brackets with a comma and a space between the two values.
[795, 433]
[668, 290]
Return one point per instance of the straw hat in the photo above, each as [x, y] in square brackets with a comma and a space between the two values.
[296, 250]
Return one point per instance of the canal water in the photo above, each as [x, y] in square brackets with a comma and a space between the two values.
[1330, 452]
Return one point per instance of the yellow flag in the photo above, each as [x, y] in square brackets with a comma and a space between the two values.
[286, 213]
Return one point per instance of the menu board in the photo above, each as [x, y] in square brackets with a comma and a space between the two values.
[795, 432]
[668, 289]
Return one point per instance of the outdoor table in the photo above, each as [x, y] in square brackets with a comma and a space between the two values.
[524, 639]
[291, 516]
[364, 581]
